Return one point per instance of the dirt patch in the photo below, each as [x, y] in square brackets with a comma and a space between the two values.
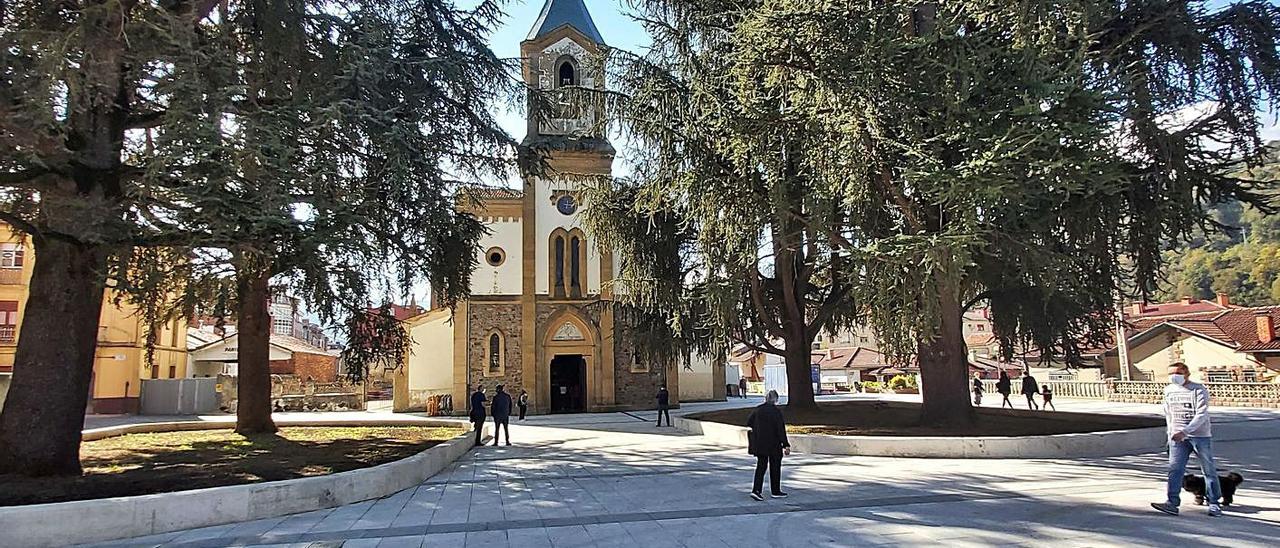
[871, 418]
[139, 464]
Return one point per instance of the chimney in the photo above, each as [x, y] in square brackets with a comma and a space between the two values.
[1186, 300]
[1223, 300]
[1137, 308]
[1266, 327]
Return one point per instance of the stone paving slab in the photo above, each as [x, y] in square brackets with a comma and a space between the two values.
[615, 480]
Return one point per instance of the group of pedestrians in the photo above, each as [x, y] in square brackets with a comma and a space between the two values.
[1186, 409]
[1004, 386]
[500, 408]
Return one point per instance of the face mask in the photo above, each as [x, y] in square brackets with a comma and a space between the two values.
[1177, 379]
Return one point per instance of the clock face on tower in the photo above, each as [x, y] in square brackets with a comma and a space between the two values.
[566, 205]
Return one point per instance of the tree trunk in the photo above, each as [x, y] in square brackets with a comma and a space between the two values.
[799, 364]
[44, 412]
[944, 369]
[253, 411]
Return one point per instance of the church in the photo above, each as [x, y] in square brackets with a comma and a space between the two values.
[534, 320]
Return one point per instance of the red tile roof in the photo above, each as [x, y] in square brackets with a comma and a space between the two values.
[1177, 308]
[1236, 327]
[854, 357]
[486, 193]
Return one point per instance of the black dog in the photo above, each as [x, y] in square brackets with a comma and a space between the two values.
[1195, 485]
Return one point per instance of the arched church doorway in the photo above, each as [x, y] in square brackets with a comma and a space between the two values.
[568, 384]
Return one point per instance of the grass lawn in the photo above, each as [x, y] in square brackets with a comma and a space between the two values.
[138, 464]
[871, 418]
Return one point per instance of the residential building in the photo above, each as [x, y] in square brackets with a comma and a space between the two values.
[120, 363]
[288, 355]
[287, 319]
[1217, 341]
[861, 336]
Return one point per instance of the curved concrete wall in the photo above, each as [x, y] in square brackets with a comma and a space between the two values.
[1092, 444]
[126, 517]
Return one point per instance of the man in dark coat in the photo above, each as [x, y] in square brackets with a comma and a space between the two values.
[501, 409]
[767, 440]
[664, 404]
[477, 413]
[742, 387]
[1029, 389]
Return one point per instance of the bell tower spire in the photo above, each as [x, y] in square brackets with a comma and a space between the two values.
[564, 49]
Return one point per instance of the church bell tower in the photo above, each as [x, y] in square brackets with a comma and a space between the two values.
[570, 362]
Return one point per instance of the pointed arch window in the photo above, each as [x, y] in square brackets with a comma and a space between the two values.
[557, 265]
[496, 354]
[575, 269]
[568, 264]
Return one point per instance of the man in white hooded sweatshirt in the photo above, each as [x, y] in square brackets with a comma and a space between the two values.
[1186, 413]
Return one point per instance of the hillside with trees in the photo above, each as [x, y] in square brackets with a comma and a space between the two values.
[1242, 260]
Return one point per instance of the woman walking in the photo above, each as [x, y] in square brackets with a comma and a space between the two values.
[767, 440]
[1005, 387]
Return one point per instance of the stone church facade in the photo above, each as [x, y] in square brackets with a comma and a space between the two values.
[535, 319]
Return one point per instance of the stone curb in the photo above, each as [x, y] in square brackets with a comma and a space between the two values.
[98, 520]
[1092, 444]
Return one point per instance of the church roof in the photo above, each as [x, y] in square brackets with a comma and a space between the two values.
[558, 13]
[486, 193]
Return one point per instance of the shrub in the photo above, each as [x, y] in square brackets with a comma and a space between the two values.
[872, 386]
[899, 382]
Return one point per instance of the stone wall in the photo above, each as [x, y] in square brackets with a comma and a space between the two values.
[634, 390]
[482, 318]
[289, 393]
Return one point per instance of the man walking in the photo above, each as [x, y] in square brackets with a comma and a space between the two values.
[1030, 389]
[742, 387]
[767, 440]
[477, 413]
[523, 402]
[501, 409]
[977, 389]
[664, 403]
[1186, 416]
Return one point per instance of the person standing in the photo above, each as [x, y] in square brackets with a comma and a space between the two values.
[742, 387]
[664, 405]
[477, 413]
[1047, 393]
[1186, 416]
[1030, 388]
[523, 402]
[767, 440]
[1005, 387]
[977, 389]
[501, 409]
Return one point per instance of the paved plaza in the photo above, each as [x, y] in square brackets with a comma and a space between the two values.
[616, 480]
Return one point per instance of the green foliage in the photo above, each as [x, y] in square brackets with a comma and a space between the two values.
[320, 144]
[872, 387]
[902, 157]
[1240, 260]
